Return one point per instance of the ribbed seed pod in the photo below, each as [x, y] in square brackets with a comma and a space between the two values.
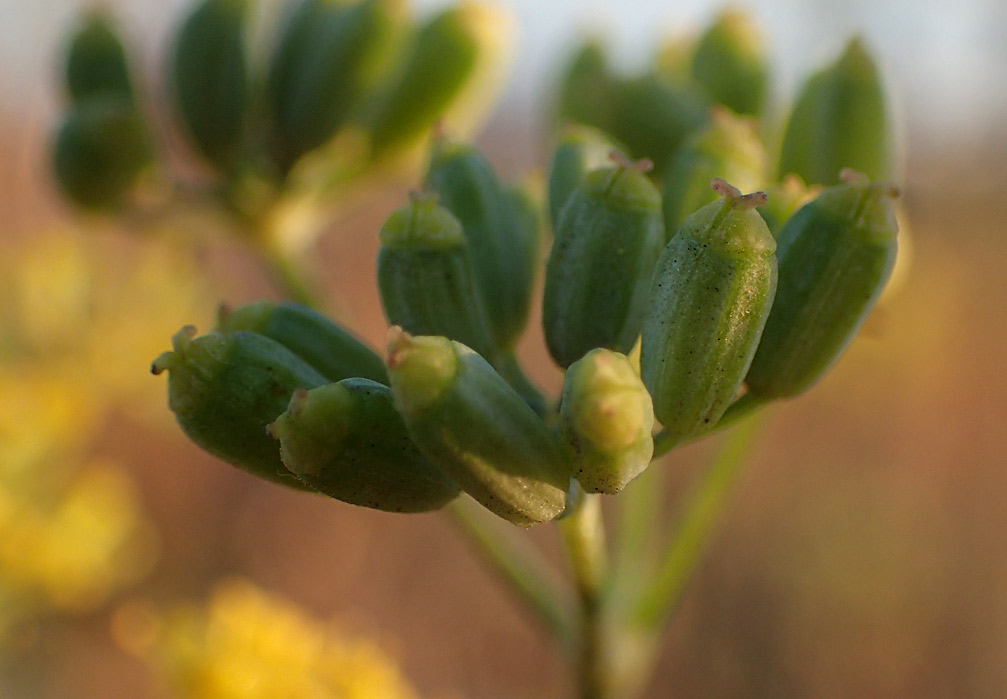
[425, 276]
[347, 441]
[209, 75]
[96, 62]
[731, 63]
[330, 349]
[606, 418]
[587, 88]
[323, 68]
[654, 114]
[100, 152]
[501, 256]
[467, 421]
[579, 150]
[448, 55]
[785, 198]
[603, 253]
[839, 121]
[835, 254]
[225, 389]
[728, 148]
[709, 301]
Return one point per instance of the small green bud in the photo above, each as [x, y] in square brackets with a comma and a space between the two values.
[447, 53]
[710, 297]
[96, 62]
[587, 88]
[606, 418]
[324, 68]
[225, 389]
[425, 276]
[330, 349]
[654, 114]
[729, 148]
[501, 260]
[347, 441]
[839, 120]
[100, 152]
[603, 253]
[731, 64]
[836, 254]
[209, 76]
[467, 421]
[579, 150]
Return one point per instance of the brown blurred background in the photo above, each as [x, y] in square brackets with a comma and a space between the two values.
[865, 554]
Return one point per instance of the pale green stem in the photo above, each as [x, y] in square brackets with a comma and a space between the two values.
[691, 535]
[518, 564]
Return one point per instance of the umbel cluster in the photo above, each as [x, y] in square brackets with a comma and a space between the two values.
[700, 262]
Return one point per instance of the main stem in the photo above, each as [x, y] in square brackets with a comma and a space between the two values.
[584, 538]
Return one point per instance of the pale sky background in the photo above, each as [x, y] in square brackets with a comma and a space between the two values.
[946, 62]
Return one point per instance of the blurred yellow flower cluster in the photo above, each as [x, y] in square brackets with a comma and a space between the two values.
[248, 644]
[79, 316]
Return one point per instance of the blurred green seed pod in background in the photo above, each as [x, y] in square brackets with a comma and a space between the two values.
[448, 72]
[426, 278]
[470, 423]
[96, 62]
[606, 418]
[609, 236]
[836, 254]
[587, 88]
[330, 349]
[325, 66]
[654, 114]
[785, 198]
[100, 152]
[346, 440]
[225, 389]
[501, 256]
[728, 148]
[731, 63]
[709, 301]
[209, 78]
[838, 121]
[578, 150]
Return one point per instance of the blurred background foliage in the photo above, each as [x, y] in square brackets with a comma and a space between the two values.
[865, 555]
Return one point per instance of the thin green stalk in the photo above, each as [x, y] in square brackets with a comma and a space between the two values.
[518, 564]
[692, 533]
[583, 534]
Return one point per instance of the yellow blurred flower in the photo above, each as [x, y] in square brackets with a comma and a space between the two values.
[248, 644]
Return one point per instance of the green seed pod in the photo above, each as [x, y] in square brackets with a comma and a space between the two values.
[225, 389]
[731, 64]
[467, 187]
[100, 152]
[606, 418]
[785, 198]
[325, 64]
[728, 148]
[466, 419]
[331, 350]
[587, 88]
[96, 62]
[447, 53]
[347, 441]
[839, 121]
[209, 76]
[579, 150]
[835, 254]
[709, 301]
[654, 114]
[603, 253]
[425, 276]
